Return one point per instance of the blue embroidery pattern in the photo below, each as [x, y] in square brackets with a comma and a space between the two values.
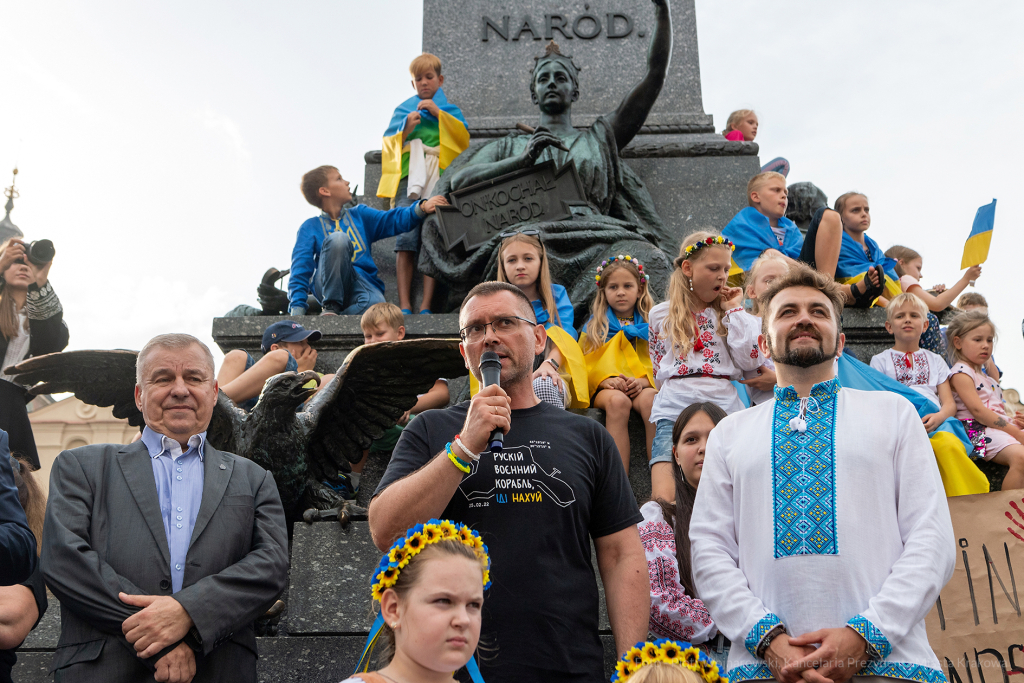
[750, 672]
[907, 672]
[872, 634]
[803, 472]
[758, 632]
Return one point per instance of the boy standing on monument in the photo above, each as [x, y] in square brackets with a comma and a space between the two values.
[425, 135]
[332, 250]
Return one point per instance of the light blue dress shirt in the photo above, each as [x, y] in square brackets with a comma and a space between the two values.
[179, 485]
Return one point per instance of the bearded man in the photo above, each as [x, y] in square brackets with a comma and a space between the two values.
[820, 519]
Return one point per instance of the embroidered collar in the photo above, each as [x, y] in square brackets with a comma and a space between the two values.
[819, 391]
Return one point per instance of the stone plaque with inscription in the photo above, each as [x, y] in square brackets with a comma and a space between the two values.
[538, 193]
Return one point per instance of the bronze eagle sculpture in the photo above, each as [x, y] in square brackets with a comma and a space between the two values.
[304, 442]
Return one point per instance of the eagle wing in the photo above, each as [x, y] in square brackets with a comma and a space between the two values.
[107, 378]
[371, 391]
[99, 378]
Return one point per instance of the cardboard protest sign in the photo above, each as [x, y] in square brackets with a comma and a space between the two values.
[976, 627]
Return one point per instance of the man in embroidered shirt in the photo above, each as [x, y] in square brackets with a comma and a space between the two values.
[162, 553]
[332, 250]
[846, 535]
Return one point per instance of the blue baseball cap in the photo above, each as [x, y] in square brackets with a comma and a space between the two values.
[287, 331]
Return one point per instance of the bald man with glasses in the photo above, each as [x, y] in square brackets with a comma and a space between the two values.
[557, 484]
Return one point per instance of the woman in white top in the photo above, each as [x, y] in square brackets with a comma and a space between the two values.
[31, 324]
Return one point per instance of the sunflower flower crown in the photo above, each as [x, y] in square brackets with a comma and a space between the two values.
[709, 242]
[635, 261]
[419, 537]
[667, 652]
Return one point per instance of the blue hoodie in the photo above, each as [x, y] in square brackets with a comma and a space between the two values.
[364, 226]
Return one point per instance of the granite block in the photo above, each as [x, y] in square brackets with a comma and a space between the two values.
[308, 660]
[488, 76]
[695, 193]
[329, 586]
[341, 333]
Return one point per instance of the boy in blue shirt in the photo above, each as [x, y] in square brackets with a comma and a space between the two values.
[332, 250]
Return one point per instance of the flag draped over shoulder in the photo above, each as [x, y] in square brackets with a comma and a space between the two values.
[452, 130]
[960, 476]
[854, 263]
[976, 247]
[752, 234]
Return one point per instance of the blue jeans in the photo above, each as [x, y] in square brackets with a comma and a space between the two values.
[343, 289]
[661, 447]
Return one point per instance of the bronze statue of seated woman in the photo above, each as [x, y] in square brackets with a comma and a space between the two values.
[618, 216]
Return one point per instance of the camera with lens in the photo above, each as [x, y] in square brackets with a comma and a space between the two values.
[39, 252]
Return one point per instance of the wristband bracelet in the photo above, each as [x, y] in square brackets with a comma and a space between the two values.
[464, 467]
[554, 364]
[469, 454]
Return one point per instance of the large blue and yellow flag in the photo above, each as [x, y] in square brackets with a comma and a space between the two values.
[449, 131]
[750, 231]
[976, 248]
[854, 263]
[960, 476]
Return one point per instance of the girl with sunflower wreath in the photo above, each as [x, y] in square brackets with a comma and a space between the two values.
[429, 589]
[666, 661]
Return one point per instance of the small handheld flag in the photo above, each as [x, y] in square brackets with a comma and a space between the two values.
[976, 247]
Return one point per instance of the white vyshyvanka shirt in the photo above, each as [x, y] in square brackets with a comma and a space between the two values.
[708, 367]
[922, 371]
[845, 523]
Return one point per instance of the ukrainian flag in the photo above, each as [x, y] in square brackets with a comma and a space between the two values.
[976, 248]
[960, 476]
[449, 131]
[750, 231]
[854, 263]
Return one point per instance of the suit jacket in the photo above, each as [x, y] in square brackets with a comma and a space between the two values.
[104, 534]
[17, 544]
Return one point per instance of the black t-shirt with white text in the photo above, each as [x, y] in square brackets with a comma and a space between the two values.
[558, 483]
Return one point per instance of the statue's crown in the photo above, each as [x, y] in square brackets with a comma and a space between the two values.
[554, 53]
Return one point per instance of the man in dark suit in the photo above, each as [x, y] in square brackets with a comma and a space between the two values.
[162, 553]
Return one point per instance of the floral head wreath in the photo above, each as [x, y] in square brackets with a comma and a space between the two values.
[635, 261]
[668, 652]
[709, 242]
[419, 537]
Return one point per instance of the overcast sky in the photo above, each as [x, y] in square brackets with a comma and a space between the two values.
[161, 144]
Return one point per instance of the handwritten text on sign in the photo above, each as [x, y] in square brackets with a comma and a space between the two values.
[976, 627]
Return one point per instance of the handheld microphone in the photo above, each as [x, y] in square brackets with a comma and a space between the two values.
[490, 373]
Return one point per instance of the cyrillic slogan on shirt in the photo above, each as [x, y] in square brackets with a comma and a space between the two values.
[521, 474]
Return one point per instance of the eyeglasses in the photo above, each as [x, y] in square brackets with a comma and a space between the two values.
[501, 326]
[510, 233]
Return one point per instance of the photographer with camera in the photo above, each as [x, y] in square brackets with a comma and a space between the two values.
[31, 324]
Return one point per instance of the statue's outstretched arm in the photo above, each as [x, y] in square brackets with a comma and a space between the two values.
[634, 108]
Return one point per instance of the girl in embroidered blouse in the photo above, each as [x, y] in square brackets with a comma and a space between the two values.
[676, 611]
[979, 400]
[614, 344]
[700, 339]
[522, 261]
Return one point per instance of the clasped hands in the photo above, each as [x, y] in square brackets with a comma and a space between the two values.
[840, 654]
[630, 386]
[161, 622]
